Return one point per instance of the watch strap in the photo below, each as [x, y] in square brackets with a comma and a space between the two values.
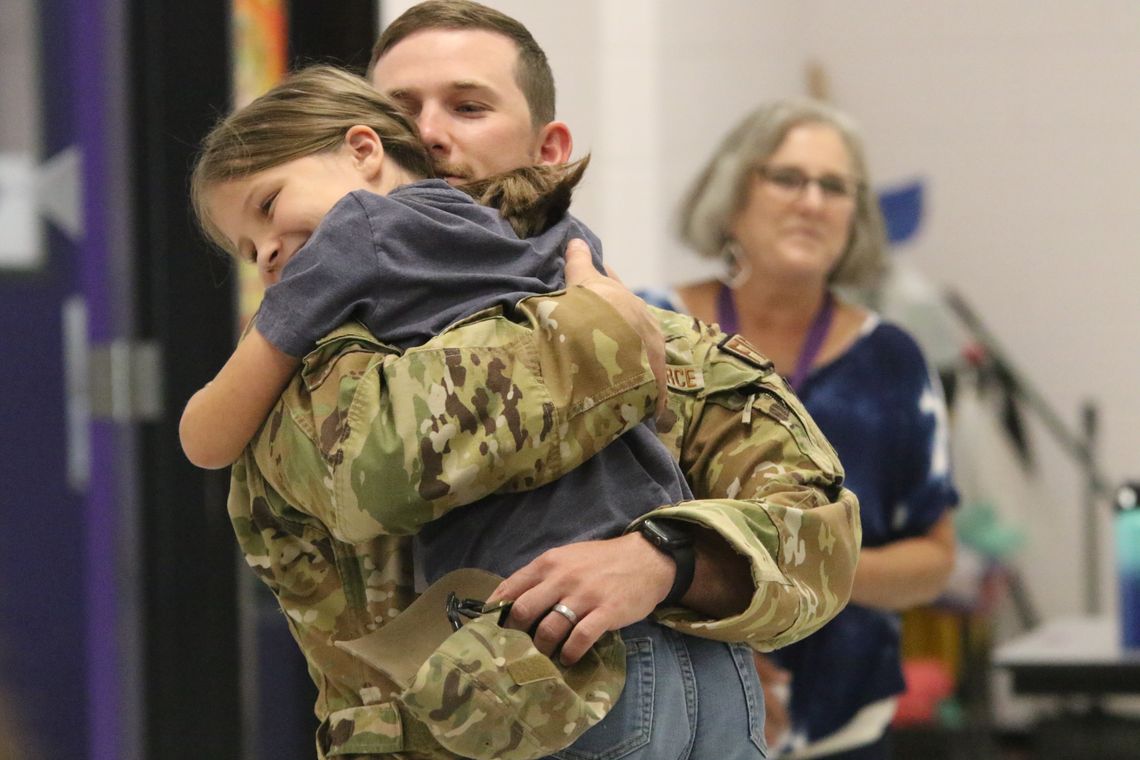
[686, 566]
[673, 540]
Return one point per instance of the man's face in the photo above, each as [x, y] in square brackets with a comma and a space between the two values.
[460, 87]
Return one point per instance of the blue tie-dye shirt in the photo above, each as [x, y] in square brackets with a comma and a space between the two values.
[884, 413]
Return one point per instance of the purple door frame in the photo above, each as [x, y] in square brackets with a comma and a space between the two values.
[63, 618]
[98, 37]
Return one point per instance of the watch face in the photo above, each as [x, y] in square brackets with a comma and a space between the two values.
[653, 533]
[664, 534]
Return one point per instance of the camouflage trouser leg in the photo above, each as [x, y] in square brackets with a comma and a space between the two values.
[685, 699]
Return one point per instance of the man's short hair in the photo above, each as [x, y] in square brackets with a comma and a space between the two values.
[532, 70]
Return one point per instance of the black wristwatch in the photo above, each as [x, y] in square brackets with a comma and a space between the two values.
[671, 538]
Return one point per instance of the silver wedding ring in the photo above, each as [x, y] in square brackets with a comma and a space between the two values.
[567, 613]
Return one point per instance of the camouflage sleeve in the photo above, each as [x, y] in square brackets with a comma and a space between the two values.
[769, 483]
[380, 443]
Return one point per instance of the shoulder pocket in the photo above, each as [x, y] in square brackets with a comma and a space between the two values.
[351, 338]
[786, 410]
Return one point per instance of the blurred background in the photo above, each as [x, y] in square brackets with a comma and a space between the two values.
[1003, 134]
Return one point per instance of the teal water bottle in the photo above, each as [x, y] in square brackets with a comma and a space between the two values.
[1127, 529]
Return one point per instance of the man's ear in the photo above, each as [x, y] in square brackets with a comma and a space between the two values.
[554, 143]
[366, 149]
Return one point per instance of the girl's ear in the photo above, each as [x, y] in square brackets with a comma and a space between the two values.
[366, 149]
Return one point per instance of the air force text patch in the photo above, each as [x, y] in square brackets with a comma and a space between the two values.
[684, 378]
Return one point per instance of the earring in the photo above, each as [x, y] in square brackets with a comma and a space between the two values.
[737, 267]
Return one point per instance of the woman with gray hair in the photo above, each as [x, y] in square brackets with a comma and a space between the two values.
[785, 204]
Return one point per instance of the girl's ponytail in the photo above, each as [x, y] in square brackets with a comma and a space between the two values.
[532, 198]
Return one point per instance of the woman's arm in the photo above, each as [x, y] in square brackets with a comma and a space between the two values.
[907, 572]
[913, 566]
[221, 418]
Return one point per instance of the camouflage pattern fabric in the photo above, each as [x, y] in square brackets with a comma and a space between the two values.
[484, 691]
[339, 571]
[488, 693]
[511, 407]
[741, 434]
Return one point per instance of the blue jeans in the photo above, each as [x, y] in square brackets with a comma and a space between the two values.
[684, 699]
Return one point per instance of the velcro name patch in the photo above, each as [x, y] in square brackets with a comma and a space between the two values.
[684, 378]
[745, 351]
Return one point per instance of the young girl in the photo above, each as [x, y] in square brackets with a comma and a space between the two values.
[265, 180]
[319, 183]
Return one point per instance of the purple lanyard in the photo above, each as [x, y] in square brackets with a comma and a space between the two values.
[726, 316]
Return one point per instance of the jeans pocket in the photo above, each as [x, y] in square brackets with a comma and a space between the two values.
[753, 694]
[629, 724]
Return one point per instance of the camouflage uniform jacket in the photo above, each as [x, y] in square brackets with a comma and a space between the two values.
[495, 404]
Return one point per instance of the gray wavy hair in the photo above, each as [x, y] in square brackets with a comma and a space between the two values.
[721, 189]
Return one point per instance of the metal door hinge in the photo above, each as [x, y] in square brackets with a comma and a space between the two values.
[125, 381]
[120, 381]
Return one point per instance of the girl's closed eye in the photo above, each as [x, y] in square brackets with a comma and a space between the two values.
[266, 206]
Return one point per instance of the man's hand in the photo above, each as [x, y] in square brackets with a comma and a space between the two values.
[607, 584]
[580, 271]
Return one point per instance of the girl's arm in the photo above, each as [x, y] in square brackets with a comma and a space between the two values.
[221, 418]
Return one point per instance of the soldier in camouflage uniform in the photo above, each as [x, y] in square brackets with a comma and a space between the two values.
[352, 428]
[731, 422]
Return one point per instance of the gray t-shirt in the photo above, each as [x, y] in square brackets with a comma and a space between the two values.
[411, 263]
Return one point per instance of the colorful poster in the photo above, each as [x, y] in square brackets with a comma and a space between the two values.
[260, 44]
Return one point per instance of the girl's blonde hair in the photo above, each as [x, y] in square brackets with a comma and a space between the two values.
[310, 112]
[721, 189]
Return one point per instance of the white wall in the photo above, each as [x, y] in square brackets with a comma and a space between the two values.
[1021, 117]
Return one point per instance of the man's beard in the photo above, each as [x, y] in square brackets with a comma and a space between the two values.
[453, 172]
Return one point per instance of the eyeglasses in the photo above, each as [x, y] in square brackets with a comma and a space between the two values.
[792, 182]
